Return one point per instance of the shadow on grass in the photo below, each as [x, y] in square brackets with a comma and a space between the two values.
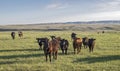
[21, 56]
[7, 62]
[11, 50]
[4, 39]
[98, 59]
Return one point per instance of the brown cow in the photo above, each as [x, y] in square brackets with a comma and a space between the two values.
[77, 44]
[52, 48]
[20, 34]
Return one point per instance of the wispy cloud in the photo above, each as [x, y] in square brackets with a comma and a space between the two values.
[57, 6]
[109, 5]
[91, 17]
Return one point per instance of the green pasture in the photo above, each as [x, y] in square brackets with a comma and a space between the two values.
[23, 54]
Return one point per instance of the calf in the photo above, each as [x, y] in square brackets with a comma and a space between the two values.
[91, 44]
[64, 45]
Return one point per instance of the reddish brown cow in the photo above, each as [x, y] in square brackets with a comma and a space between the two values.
[77, 44]
[52, 48]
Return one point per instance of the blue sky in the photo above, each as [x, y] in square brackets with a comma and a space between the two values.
[45, 11]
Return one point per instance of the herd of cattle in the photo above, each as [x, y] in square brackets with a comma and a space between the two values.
[51, 47]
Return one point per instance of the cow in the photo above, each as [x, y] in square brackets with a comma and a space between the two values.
[40, 42]
[73, 36]
[85, 42]
[77, 44]
[13, 35]
[53, 47]
[91, 44]
[20, 34]
[53, 37]
[46, 47]
[64, 45]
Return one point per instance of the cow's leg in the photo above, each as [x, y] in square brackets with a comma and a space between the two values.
[89, 49]
[62, 51]
[78, 50]
[50, 56]
[40, 46]
[13, 37]
[74, 51]
[56, 55]
[65, 51]
[46, 57]
[53, 55]
[92, 49]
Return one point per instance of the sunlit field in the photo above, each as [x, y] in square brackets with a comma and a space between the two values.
[23, 54]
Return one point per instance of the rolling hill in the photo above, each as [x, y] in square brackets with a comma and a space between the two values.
[78, 26]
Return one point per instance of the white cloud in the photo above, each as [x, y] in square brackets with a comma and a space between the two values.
[56, 6]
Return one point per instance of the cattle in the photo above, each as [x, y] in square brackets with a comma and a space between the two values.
[91, 44]
[73, 36]
[85, 42]
[13, 35]
[53, 37]
[103, 32]
[46, 47]
[77, 44]
[64, 45]
[40, 42]
[20, 34]
[53, 48]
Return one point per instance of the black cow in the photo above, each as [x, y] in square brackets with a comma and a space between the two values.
[73, 36]
[53, 37]
[13, 35]
[85, 42]
[64, 45]
[91, 44]
[40, 41]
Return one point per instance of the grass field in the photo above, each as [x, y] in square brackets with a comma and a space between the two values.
[23, 54]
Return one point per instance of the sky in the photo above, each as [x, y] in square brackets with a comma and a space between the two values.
[51, 11]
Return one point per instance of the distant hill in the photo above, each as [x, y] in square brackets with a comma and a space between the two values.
[78, 26]
[96, 22]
